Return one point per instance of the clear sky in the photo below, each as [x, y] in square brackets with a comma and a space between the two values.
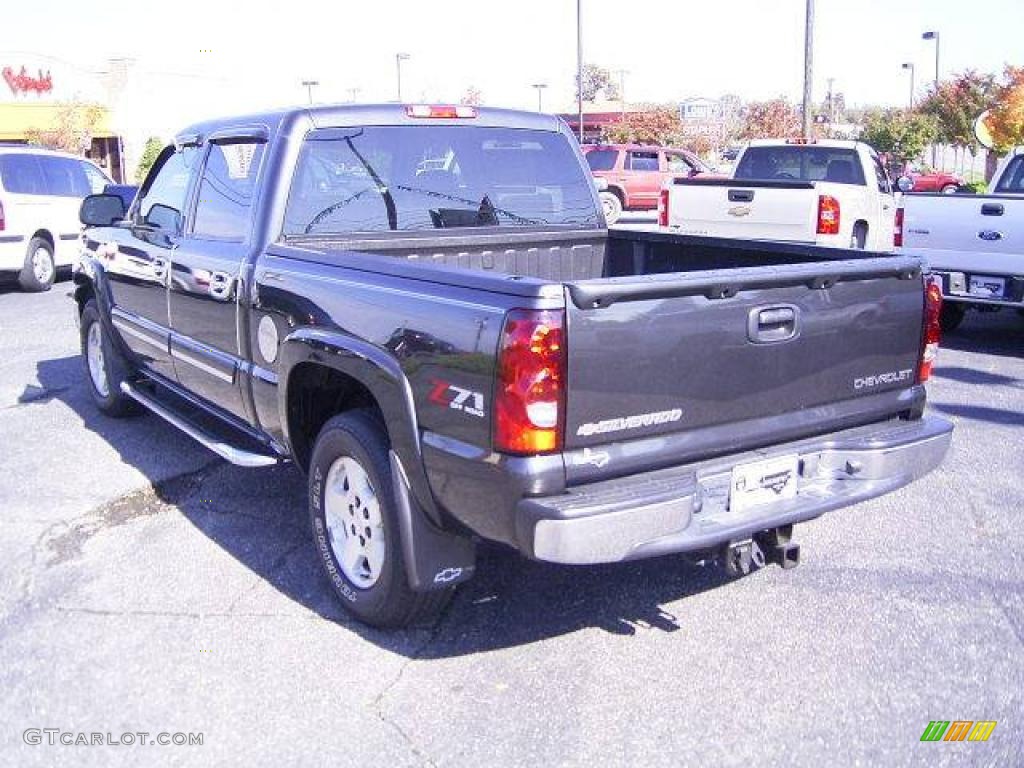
[256, 53]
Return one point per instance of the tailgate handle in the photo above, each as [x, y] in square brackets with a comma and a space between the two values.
[992, 209]
[741, 195]
[770, 325]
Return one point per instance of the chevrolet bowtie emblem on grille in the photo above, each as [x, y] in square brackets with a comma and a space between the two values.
[739, 210]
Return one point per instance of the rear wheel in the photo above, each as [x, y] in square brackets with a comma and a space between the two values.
[949, 189]
[355, 525]
[612, 206]
[951, 316]
[39, 270]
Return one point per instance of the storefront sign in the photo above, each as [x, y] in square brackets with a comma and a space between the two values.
[22, 82]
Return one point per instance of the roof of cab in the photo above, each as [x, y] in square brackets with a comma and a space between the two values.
[344, 115]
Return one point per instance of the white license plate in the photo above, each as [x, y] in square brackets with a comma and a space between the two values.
[762, 482]
[987, 287]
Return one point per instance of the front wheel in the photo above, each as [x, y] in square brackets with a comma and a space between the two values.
[39, 270]
[355, 525]
[105, 367]
[612, 206]
[949, 189]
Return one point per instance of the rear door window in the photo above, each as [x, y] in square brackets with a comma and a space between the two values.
[224, 202]
[21, 174]
[602, 159]
[63, 176]
[801, 163]
[643, 161]
[1012, 180]
[389, 178]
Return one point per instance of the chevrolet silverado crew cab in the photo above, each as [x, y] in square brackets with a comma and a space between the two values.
[823, 192]
[462, 350]
[974, 243]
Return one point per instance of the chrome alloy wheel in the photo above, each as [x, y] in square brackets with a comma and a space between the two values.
[355, 527]
[42, 265]
[94, 355]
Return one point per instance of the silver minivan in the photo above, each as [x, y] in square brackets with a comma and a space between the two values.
[40, 194]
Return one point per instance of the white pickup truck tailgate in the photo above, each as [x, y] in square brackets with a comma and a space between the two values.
[966, 232]
[756, 210]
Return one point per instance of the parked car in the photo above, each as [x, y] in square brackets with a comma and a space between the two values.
[975, 243]
[474, 355]
[935, 181]
[40, 194]
[827, 192]
[636, 174]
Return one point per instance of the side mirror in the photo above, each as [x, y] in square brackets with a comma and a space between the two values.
[101, 210]
[904, 183]
[164, 218]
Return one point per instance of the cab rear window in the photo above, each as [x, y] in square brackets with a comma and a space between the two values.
[386, 178]
[801, 163]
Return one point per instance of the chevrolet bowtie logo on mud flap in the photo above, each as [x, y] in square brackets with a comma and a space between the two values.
[889, 377]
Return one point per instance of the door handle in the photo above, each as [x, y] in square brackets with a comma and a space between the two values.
[222, 286]
[160, 268]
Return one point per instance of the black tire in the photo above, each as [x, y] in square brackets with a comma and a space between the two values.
[116, 368]
[612, 206]
[860, 237]
[951, 316]
[388, 602]
[39, 270]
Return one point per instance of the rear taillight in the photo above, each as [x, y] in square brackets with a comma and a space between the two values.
[440, 111]
[897, 230]
[828, 215]
[3, 221]
[529, 402]
[932, 331]
[663, 208]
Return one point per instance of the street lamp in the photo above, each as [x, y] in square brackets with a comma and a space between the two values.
[399, 58]
[622, 90]
[309, 88]
[540, 93]
[808, 67]
[934, 35]
[910, 65]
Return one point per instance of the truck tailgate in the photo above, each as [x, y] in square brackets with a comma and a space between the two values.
[767, 210]
[663, 354]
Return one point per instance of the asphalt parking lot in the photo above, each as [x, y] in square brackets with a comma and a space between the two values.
[147, 587]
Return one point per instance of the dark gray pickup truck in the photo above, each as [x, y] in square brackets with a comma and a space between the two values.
[422, 308]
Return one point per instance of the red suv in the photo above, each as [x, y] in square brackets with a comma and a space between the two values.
[635, 174]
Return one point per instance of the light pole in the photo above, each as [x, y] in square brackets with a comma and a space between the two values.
[579, 63]
[910, 65]
[808, 67]
[399, 58]
[540, 94]
[934, 35]
[622, 90]
[309, 88]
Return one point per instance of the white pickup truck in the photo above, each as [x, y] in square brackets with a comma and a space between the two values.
[974, 242]
[823, 192]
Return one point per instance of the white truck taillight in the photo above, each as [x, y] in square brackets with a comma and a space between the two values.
[529, 393]
[932, 331]
[663, 208]
[897, 230]
[828, 215]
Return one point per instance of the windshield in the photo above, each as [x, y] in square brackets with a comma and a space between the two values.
[802, 163]
[384, 178]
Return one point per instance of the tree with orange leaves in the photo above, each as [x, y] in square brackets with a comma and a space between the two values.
[1006, 118]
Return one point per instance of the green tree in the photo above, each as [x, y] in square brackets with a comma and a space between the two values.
[73, 129]
[149, 155]
[472, 96]
[956, 103]
[900, 134]
[775, 119]
[596, 79]
[648, 124]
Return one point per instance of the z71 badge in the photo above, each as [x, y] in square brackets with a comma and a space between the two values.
[446, 394]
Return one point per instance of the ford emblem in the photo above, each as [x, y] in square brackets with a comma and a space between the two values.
[990, 235]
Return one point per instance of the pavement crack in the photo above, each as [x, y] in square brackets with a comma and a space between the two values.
[277, 565]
